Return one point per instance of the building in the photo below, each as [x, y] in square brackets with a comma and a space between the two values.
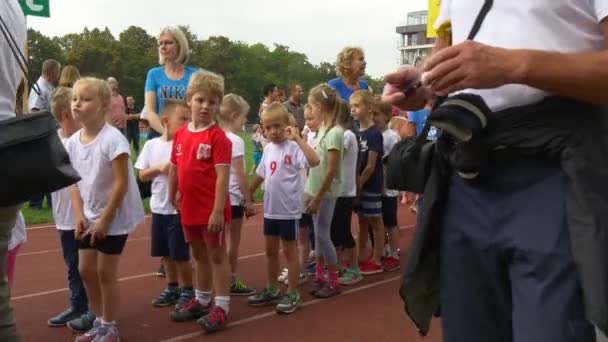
[414, 46]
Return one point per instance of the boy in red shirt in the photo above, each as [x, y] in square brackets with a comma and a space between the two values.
[198, 188]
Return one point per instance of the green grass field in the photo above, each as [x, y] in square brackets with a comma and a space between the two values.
[33, 216]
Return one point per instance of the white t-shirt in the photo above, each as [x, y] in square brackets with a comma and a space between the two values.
[10, 73]
[155, 152]
[349, 165]
[552, 25]
[93, 162]
[43, 101]
[238, 151]
[283, 190]
[63, 214]
[18, 233]
[389, 138]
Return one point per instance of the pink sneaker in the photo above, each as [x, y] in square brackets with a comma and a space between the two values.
[111, 335]
[91, 335]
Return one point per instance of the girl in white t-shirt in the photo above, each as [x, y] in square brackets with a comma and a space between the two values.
[106, 202]
[232, 117]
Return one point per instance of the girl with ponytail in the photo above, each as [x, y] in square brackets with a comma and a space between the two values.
[323, 186]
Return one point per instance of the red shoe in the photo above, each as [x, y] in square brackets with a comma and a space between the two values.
[390, 264]
[369, 267]
[214, 321]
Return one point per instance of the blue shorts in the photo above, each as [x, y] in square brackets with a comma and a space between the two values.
[287, 230]
[168, 238]
[370, 205]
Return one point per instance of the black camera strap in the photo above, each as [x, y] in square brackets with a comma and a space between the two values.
[21, 60]
[481, 16]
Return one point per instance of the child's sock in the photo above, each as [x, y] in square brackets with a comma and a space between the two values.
[395, 254]
[173, 287]
[203, 297]
[319, 272]
[223, 302]
[354, 267]
[333, 279]
[107, 324]
[233, 278]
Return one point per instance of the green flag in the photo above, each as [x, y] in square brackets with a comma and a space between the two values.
[36, 8]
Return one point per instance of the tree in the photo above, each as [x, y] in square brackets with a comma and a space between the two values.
[41, 48]
[246, 68]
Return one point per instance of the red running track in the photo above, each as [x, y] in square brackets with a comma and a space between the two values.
[370, 311]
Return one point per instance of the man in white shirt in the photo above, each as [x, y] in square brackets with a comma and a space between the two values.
[42, 103]
[507, 265]
[10, 76]
[46, 83]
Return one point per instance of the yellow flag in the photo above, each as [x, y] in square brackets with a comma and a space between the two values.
[433, 13]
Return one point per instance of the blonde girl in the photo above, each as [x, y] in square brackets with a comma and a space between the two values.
[106, 202]
[323, 186]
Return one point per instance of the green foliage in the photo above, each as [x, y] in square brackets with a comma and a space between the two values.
[246, 68]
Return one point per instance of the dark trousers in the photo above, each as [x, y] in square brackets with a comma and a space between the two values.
[133, 133]
[508, 272]
[78, 295]
[37, 200]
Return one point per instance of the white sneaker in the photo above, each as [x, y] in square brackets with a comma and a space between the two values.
[283, 277]
[303, 278]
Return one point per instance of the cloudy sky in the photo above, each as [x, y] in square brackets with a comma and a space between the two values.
[318, 28]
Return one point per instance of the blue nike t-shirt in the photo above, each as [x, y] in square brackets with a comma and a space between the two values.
[343, 90]
[165, 88]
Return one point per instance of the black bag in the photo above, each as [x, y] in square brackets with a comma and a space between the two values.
[409, 164]
[33, 157]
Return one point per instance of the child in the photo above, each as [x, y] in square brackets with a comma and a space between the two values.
[370, 181]
[382, 116]
[323, 187]
[168, 240]
[258, 147]
[341, 233]
[63, 216]
[18, 237]
[284, 157]
[106, 202]
[306, 234]
[198, 188]
[232, 117]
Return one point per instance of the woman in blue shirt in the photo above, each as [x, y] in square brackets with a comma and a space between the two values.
[351, 67]
[170, 79]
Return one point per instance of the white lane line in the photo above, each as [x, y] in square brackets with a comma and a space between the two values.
[44, 293]
[145, 238]
[47, 226]
[272, 313]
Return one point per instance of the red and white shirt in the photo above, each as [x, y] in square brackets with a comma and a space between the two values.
[280, 167]
[196, 154]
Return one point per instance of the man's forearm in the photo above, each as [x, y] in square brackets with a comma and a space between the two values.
[583, 76]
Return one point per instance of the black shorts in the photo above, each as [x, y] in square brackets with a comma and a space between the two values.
[237, 212]
[341, 234]
[112, 244]
[168, 238]
[287, 230]
[306, 221]
[389, 211]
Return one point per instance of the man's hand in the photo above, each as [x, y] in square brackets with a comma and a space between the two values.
[399, 90]
[469, 65]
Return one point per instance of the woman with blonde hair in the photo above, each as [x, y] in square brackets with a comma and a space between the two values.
[69, 76]
[350, 65]
[170, 79]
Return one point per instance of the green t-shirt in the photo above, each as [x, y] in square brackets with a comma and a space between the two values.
[325, 141]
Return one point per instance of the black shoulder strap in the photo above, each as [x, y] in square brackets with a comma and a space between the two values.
[21, 60]
[487, 5]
